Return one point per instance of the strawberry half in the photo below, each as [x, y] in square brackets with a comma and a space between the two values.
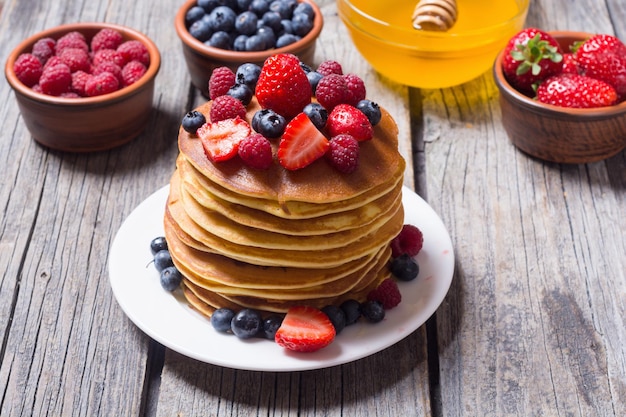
[283, 85]
[220, 140]
[346, 119]
[305, 329]
[301, 144]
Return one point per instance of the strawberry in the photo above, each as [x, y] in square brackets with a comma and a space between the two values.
[346, 119]
[576, 91]
[301, 144]
[283, 85]
[220, 140]
[529, 57]
[603, 57]
[305, 329]
[569, 63]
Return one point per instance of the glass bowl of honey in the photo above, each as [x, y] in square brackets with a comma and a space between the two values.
[384, 33]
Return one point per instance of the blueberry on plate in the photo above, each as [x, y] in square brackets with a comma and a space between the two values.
[192, 121]
[170, 278]
[221, 319]
[246, 323]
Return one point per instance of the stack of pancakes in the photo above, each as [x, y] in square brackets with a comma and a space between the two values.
[271, 239]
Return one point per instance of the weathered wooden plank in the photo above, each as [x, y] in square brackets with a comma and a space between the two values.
[533, 323]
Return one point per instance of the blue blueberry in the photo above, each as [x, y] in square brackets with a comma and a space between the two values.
[373, 311]
[220, 40]
[283, 8]
[371, 110]
[201, 30]
[243, 5]
[352, 309]
[193, 14]
[271, 325]
[259, 7]
[248, 74]
[162, 260]
[192, 121]
[239, 44]
[246, 23]
[222, 18]
[241, 92]
[268, 36]
[256, 43]
[170, 278]
[157, 244]
[305, 8]
[268, 123]
[301, 24]
[287, 26]
[336, 316]
[286, 39]
[404, 267]
[246, 323]
[317, 114]
[221, 319]
[208, 5]
[272, 19]
[314, 79]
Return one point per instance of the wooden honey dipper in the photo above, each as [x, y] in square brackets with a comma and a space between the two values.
[435, 15]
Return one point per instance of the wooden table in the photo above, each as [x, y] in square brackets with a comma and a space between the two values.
[533, 324]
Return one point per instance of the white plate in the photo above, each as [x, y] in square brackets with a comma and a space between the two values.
[169, 320]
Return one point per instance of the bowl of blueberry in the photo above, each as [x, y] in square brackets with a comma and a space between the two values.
[232, 32]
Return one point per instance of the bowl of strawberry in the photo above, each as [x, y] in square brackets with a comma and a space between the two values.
[84, 87]
[562, 94]
[231, 33]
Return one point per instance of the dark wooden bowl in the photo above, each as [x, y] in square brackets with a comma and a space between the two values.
[91, 123]
[202, 59]
[560, 134]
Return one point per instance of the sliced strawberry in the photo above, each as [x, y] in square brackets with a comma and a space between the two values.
[346, 119]
[220, 140]
[301, 144]
[305, 329]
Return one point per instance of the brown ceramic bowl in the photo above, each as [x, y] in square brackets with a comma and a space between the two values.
[202, 59]
[560, 134]
[91, 123]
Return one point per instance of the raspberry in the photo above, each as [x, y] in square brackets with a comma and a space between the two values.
[256, 151]
[343, 153]
[331, 91]
[409, 241]
[55, 79]
[100, 84]
[75, 58]
[134, 50]
[222, 78]
[132, 72]
[226, 107]
[111, 67]
[79, 78]
[356, 89]
[69, 94]
[71, 40]
[28, 69]
[330, 67]
[387, 293]
[108, 55]
[43, 49]
[53, 60]
[106, 39]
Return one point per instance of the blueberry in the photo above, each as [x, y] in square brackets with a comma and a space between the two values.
[314, 79]
[243, 5]
[248, 74]
[336, 316]
[246, 323]
[246, 23]
[192, 121]
[352, 309]
[373, 311]
[317, 114]
[221, 319]
[305, 8]
[301, 24]
[193, 14]
[162, 260]
[404, 267]
[239, 44]
[220, 40]
[268, 36]
[170, 278]
[201, 30]
[282, 8]
[259, 7]
[241, 92]
[222, 18]
[255, 43]
[268, 123]
[208, 5]
[371, 110]
[157, 244]
[286, 39]
[272, 19]
[231, 4]
[287, 26]
[271, 325]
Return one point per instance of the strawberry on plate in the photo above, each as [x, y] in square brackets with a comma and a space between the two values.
[346, 119]
[531, 56]
[283, 85]
[603, 57]
[305, 329]
[576, 91]
[220, 140]
[301, 144]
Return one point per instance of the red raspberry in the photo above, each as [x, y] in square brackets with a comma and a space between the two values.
[43, 49]
[79, 78]
[108, 55]
[330, 67]
[100, 84]
[132, 72]
[222, 78]
[53, 60]
[331, 91]
[226, 107]
[106, 39]
[410, 241]
[69, 94]
[71, 40]
[387, 293]
[134, 51]
[343, 153]
[256, 151]
[27, 69]
[75, 58]
[111, 67]
[356, 89]
[55, 79]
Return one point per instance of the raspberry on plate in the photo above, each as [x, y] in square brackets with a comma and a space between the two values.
[387, 293]
[410, 241]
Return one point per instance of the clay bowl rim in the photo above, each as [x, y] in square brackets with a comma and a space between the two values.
[56, 32]
[548, 109]
[241, 56]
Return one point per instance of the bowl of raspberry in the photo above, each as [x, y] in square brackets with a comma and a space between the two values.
[562, 94]
[232, 33]
[84, 87]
